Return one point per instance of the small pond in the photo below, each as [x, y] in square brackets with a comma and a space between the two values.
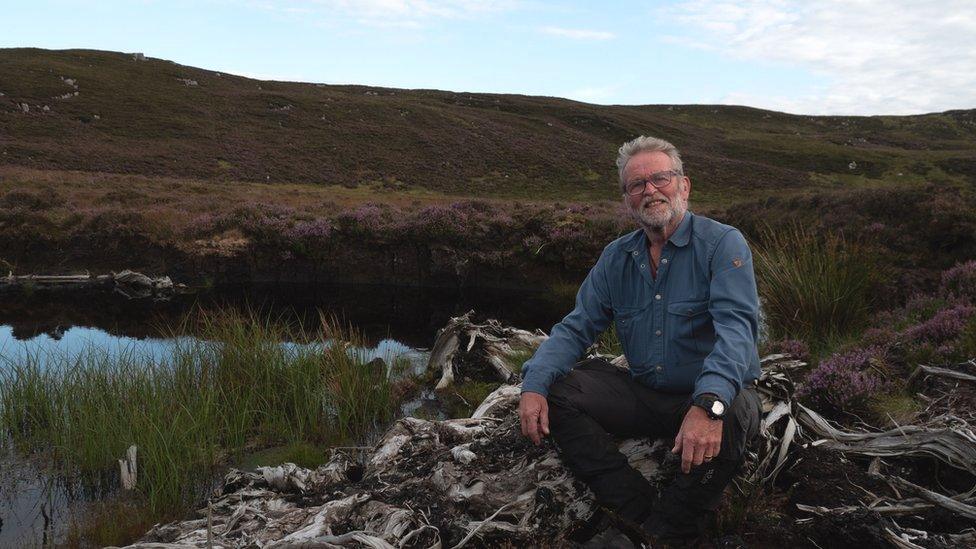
[35, 505]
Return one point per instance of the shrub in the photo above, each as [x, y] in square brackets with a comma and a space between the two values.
[847, 380]
[959, 282]
[945, 325]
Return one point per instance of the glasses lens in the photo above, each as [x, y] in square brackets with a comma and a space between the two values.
[661, 179]
[636, 187]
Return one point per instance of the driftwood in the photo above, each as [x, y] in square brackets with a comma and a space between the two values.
[454, 483]
[462, 342]
[128, 472]
[942, 372]
[477, 481]
[128, 283]
[946, 438]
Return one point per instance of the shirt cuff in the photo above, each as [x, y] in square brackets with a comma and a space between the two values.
[529, 386]
[717, 385]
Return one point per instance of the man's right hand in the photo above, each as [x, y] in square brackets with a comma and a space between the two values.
[534, 413]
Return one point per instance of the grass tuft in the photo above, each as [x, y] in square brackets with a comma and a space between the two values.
[235, 387]
[814, 287]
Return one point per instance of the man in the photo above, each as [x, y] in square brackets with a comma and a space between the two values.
[682, 294]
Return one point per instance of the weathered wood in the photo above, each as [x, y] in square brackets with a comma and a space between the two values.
[127, 469]
[128, 283]
[942, 372]
[456, 483]
[947, 502]
[946, 438]
[478, 481]
[463, 342]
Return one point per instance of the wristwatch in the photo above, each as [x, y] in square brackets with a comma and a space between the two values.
[712, 405]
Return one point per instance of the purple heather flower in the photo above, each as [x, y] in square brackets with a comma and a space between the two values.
[846, 379]
[945, 325]
[960, 281]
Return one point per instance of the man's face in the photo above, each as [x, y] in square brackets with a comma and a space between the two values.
[655, 208]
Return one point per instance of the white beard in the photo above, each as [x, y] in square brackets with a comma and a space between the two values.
[661, 216]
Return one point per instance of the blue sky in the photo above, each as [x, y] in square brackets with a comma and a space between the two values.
[825, 57]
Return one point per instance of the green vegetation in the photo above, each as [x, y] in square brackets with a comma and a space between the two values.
[518, 357]
[609, 342]
[814, 287]
[236, 387]
[302, 454]
[462, 399]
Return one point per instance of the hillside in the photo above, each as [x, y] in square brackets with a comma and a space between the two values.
[98, 111]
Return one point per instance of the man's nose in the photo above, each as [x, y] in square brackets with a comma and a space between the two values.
[649, 189]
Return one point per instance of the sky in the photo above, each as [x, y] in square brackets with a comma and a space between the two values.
[857, 57]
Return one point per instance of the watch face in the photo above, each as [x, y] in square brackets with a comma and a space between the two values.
[718, 408]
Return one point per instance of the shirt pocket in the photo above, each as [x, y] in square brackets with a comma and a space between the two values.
[691, 330]
[625, 320]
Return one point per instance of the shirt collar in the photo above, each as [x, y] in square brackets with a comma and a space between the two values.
[679, 238]
[682, 234]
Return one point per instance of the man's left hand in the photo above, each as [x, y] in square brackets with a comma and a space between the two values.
[698, 440]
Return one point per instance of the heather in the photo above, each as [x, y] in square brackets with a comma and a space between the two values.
[912, 233]
[868, 373]
[847, 380]
[140, 118]
[439, 241]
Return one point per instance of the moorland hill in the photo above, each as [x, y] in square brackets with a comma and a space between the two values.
[113, 112]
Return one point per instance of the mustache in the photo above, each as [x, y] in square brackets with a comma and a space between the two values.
[648, 199]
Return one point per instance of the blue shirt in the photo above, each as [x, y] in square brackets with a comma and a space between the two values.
[692, 329]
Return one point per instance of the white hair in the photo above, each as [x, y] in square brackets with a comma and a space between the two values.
[646, 144]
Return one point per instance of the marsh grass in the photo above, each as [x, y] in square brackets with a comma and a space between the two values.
[815, 287]
[233, 388]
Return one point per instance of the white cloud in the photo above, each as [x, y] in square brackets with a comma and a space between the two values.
[390, 13]
[577, 34]
[880, 56]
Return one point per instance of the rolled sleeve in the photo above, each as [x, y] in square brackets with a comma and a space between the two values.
[734, 307]
[570, 338]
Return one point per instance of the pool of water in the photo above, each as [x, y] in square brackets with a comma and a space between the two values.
[35, 505]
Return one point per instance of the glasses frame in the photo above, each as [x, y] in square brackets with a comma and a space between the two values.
[671, 175]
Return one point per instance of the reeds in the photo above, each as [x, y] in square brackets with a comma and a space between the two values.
[235, 386]
[814, 287]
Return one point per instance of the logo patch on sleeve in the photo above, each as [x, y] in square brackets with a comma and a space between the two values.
[737, 262]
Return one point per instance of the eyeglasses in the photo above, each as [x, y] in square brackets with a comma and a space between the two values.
[658, 180]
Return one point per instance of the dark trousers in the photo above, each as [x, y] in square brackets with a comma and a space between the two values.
[596, 402]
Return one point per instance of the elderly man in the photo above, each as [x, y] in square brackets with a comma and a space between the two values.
[682, 294]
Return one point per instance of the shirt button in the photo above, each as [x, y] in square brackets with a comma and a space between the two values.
[635, 254]
[642, 265]
[665, 260]
[657, 332]
[658, 297]
[658, 368]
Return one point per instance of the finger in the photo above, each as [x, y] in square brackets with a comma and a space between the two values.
[677, 444]
[524, 421]
[687, 456]
[534, 428]
[715, 449]
[544, 420]
[699, 455]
